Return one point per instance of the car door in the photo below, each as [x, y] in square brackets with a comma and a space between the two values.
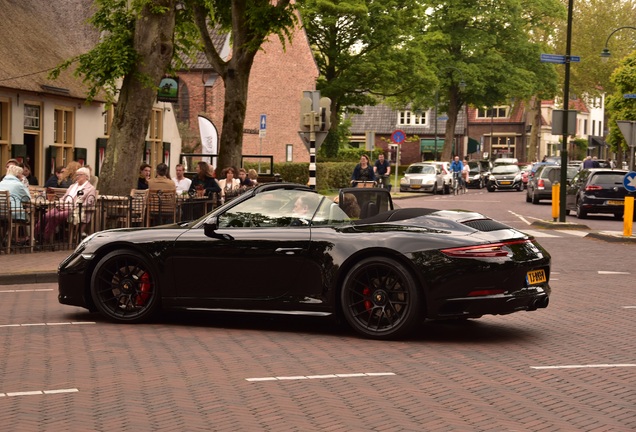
[573, 188]
[256, 253]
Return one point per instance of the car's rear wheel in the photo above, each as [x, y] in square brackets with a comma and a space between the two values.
[124, 287]
[580, 213]
[434, 191]
[379, 299]
[535, 198]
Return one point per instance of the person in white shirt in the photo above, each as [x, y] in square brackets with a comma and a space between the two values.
[180, 181]
[229, 185]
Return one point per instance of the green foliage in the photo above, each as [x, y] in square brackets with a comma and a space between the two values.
[618, 107]
[580, 148]
[338, 137]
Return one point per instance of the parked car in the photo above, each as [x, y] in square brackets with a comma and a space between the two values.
[552, 159]
[282, 248]
[421, 177]
[446, 173]
[505, 177]
[597, 190]
[478, 174]
[540, 186]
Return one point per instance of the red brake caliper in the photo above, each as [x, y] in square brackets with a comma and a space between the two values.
[367, 303]
[144, 288]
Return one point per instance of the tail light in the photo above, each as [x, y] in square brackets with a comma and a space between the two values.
[493, 250]
[592, 188]
[540, 184]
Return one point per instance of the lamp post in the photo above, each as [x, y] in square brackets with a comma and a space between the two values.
[462, 85]
[605, 54]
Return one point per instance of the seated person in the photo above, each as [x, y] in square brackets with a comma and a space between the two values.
[181, 182]
[161, 180]
[245, 180]
[79, 192]
[18, 191]
[350, 206]
[203, 182]
[229, 184]
[55, 181]
[144, 175]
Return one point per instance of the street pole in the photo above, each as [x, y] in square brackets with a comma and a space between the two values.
[436, 106]
[312, 151]
[566, 111]
[492, 123]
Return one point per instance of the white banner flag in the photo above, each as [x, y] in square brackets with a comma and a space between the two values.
[209, 138]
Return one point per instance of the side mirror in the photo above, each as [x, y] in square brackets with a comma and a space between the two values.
[210, 227]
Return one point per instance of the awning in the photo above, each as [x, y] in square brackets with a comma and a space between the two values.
[473, 145]
[429, 145]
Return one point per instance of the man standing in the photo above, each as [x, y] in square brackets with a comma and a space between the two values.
[181, 182]
[382, 168]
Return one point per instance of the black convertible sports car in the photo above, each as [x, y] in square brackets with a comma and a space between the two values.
[283, 248]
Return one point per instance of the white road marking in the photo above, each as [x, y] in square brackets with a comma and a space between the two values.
[29, 290]
[603, 272]
[629, 307]
[619, 365]
[578, 233]
[39, 392]
[48, 324]
[520, 217]
[302, 377]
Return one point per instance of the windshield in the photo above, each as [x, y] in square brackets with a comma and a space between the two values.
[505, 169]
[421, 169]
[283, 208]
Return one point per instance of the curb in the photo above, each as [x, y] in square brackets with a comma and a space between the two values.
[28, 278]
[614, 238]
[559, 225]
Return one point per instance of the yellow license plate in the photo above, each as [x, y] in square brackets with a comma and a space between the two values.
[416, 186]
[505, 182]
[619, 203]
[536, 277]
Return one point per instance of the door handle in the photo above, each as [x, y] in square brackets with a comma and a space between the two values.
[288, 251]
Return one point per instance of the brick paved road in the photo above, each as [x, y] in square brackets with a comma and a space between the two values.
[195, 372]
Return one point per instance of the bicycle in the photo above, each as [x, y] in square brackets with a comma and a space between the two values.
[456, 185]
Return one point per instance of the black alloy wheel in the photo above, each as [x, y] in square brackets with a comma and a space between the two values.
[379, 299]
[124, 287]
[535, 198]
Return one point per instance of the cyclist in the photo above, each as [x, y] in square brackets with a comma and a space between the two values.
[456, 168]
[382, 170]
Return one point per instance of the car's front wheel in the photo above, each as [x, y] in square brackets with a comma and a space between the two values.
[379, 299]
[124, 287]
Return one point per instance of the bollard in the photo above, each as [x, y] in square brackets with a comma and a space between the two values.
[628, 216]
[555, 202]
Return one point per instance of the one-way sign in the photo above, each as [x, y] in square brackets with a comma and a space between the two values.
[629, 181]
[558, 58]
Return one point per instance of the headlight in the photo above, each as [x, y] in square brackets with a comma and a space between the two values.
[491, 177]
[518, 177]
[403, 180]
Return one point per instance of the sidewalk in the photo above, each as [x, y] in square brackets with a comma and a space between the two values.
[27, 268]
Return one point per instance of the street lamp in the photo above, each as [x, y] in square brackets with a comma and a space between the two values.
[462, 86]
[605, 54]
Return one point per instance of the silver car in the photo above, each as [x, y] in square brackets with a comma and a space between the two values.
[444, 168]
[422, 177]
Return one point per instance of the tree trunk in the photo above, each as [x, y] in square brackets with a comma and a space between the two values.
[452, 113]
[236, 81]
[153, 41]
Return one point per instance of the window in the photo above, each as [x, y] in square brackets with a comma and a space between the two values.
[406, 118]
[155, 137]
[593, 127]
[109, 113]
[32, 117]
[5, 132]
[494, 112]
[63, 134]
[289, 152]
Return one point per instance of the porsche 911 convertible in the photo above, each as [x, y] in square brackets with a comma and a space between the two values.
[282, 248]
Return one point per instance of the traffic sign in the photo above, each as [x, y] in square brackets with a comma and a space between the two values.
[262, 126]
[442, 118]
[629, 96]
[398, 136]
[558, 58]
[629, 181]
[629, 132]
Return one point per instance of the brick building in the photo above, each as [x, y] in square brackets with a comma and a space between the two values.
[278, 78]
